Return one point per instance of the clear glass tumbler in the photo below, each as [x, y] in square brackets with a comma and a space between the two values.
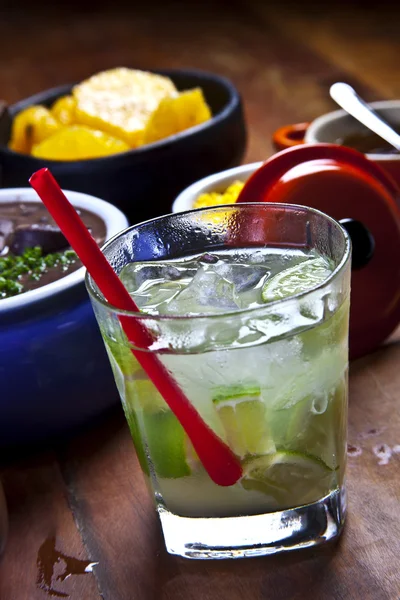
[271, 381]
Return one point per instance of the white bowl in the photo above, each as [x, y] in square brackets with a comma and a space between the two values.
[54, 371]
[114, 221]
[213, 183]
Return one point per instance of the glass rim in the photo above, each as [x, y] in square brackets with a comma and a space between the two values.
[99, 298]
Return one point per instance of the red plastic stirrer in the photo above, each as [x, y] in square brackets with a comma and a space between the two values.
[217, 458]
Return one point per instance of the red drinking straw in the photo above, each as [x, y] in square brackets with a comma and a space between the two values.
[217, 458]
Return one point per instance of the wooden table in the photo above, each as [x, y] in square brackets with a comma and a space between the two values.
[81, 523]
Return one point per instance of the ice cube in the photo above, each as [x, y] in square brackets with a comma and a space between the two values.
[208, 292]
[152, 284]
[244, 277]
[134, 275]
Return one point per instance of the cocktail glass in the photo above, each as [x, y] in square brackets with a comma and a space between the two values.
[270, 380]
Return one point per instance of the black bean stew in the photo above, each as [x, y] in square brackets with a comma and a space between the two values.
[33, 250]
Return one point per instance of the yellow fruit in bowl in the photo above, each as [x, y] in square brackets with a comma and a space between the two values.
[175, 114]
[63, 110]
[110, 112]
[31, 126]
[120, 102]
[78, 142]
[215, 198]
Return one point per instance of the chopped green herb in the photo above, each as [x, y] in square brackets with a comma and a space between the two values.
[31, 263]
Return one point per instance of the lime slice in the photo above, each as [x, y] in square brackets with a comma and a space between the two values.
[244, 418]
[154, 428]
[166, 443]
[142, 395]
[300, 278]
[134, 428]
[312, 417]
[122, 354]
[158, 428]
[291, 478]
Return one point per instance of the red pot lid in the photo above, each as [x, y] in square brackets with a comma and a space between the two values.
[344, 184]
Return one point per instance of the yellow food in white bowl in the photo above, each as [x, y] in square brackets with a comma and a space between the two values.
[214, 190]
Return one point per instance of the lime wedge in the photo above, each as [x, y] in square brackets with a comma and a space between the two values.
[137, 438]
[142, 395]
[291, 478]
[166, 443]
[311, 416]
[122, 354]
[244, 417]
[158, 428]
[300, 278]
[154, 428]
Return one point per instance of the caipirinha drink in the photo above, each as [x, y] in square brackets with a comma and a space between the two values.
[256, 337]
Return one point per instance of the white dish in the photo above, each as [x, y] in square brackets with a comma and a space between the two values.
[213, 183]
[114, 221]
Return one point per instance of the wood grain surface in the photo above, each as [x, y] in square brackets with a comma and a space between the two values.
[82, 525]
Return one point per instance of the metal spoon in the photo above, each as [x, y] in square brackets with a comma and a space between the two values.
[348, 99]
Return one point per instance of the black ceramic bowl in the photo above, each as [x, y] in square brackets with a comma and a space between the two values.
[144, 182]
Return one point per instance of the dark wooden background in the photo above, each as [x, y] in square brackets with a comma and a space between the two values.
[83, 500]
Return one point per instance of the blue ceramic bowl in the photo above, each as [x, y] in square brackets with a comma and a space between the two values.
[54, 371]
[144, 182]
